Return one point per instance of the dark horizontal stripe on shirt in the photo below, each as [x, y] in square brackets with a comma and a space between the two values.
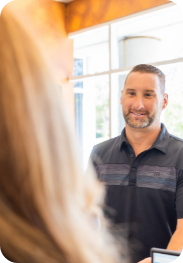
[154, 177]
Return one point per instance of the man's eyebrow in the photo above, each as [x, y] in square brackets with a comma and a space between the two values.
[128, 89]
[149, 90]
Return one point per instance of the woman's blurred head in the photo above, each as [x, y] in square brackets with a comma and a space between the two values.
[46, 202]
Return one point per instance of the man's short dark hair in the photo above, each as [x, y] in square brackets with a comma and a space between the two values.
[143, 68]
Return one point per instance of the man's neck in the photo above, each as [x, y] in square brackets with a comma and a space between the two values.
[142, 139]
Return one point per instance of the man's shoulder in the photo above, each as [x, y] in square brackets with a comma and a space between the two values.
[175, 151]
[175, 142]
[106, 145]
[102, 152]
[177, 139]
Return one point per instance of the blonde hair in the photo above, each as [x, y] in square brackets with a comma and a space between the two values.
[46, 202]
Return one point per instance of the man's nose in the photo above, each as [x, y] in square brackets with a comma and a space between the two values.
[138, 103]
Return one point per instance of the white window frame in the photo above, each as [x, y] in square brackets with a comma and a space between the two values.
[124, 69]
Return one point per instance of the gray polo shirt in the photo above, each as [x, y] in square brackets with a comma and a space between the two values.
[144, 194]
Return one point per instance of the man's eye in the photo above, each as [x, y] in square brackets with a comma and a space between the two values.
[148, 94]
[131, 93]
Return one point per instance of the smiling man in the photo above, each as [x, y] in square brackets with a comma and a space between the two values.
[143, 169]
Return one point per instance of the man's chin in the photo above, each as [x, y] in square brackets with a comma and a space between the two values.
[136, 125]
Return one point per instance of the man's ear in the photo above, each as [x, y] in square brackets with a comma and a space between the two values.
[165, 100]
[121, 97]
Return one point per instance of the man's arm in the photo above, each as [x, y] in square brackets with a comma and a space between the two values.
[176, 242]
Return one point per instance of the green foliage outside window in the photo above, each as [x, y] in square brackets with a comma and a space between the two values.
[102, 110]
[173, 117]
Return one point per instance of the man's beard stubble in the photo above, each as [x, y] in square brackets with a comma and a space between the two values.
[140, 124]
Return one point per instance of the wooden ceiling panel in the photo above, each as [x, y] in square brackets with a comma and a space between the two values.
[81, 14]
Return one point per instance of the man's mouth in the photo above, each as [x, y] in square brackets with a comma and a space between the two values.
[138, 114]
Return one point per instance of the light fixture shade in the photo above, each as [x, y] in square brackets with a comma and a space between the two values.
[64, 1]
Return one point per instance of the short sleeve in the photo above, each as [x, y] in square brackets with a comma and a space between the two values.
[179, 195]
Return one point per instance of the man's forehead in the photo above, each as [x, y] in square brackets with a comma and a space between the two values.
[145, 80]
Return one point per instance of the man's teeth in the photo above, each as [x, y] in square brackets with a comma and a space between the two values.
[137, 113]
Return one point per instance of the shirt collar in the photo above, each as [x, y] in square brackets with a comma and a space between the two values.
[161, 142]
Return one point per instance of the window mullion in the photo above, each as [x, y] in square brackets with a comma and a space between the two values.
[110, 106]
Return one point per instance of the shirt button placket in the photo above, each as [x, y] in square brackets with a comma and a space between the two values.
[132, 175]
[132, 179]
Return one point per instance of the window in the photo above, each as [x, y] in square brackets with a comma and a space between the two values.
[103, 56]
[92, 112]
